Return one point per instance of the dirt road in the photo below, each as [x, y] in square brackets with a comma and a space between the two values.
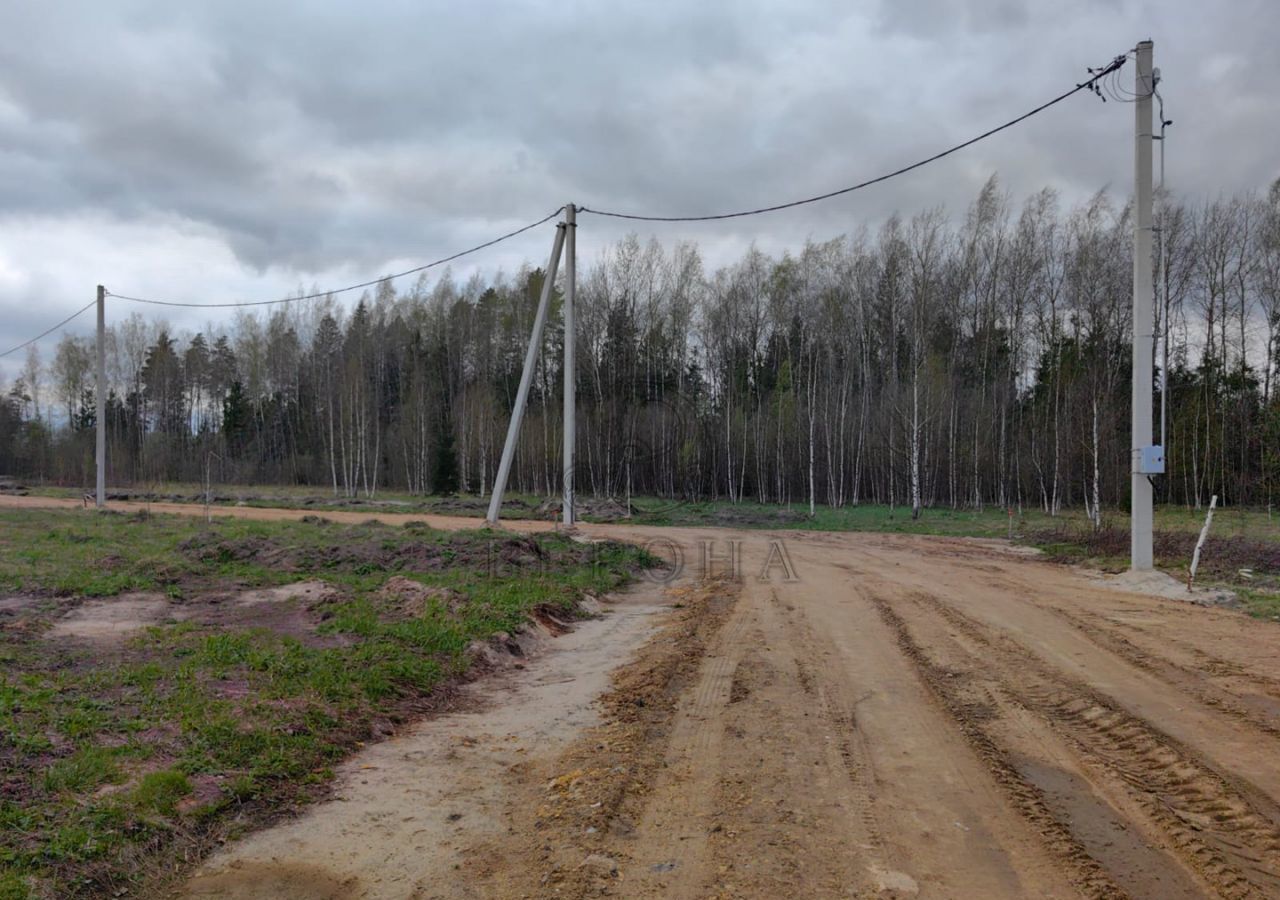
[854, 715]
[269, 514]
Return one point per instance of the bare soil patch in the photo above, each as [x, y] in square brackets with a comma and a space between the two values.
[114, 619]
[308, 592]
[294, 610]
[16, 603]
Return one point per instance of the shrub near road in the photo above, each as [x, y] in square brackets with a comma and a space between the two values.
[165, 683]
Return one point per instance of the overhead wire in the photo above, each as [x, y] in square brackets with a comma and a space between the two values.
[1103, 82]
[350, 287]
[44, 334]
[1109, 88]
[1091, 84]
[1117, 91]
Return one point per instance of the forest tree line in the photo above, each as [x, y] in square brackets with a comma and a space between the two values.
[929, 361]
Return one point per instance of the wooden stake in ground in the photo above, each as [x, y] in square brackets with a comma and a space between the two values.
[1204, 533]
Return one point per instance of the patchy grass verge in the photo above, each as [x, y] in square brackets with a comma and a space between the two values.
[126, 755]
[1261, 604]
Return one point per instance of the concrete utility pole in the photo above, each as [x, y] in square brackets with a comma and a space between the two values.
[570, 365]
[526, 380]
[1147, 460]
[101, 399]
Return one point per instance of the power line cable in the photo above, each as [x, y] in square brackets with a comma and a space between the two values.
[350, 287]
[1109, 90]
[1092, 84]
[1097, 83]
[1117, 91]
[45, 334]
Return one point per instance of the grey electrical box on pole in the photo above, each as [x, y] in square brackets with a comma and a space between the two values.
[1151, 460]
[100, 457]
[1145, 458]
[570, 367]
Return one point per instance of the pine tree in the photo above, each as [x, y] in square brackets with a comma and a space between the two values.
[236, 417]
[444, 474]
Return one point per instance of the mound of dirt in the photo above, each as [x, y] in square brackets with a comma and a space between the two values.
[506, 649]
[1161, 584]
[412, 598]
[355, 549]
[456, 503]
[600, 509]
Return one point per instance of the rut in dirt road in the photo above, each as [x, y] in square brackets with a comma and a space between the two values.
[1222, 828]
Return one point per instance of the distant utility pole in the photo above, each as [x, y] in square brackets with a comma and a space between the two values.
[101, 399]
[570, 365]
[1148, 460]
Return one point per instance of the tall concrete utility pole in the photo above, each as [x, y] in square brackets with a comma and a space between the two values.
[526, 380]
[570, 365]
[101, 400]
[1147, 459]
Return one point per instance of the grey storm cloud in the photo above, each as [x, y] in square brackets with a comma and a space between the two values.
[296, 142]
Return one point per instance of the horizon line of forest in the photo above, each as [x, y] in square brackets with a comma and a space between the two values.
[926, 362]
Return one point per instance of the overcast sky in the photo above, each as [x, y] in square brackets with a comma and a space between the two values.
[236, 150]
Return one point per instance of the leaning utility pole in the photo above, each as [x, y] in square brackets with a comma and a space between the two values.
[570, 370]
[526, 380]
[1147, 459]
[101, 399]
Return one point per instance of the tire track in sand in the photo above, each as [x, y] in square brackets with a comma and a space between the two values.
[1223, 829]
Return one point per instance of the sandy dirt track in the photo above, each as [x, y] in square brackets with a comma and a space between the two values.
[856, 715]
[271, 514]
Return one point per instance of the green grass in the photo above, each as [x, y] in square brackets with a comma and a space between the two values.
[160, 791]
[1260, 603]
[111, 753]
[83, 770]
[992, 521]
[989, 522]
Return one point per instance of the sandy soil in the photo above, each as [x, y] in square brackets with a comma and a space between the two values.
[113, 619]
[857, 715]
[405, 809]
[448, 523]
